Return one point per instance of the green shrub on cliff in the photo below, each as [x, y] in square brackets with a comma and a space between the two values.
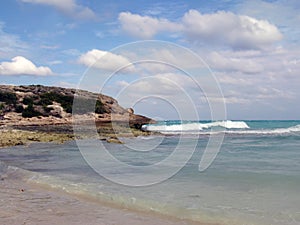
[28, 100]
[48, 98]
[84, 105]
[99, 108]
[30, 112]
[38, 101]
[19, 109]
[8, 98]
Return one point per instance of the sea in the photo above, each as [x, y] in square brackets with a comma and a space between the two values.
[250, 172]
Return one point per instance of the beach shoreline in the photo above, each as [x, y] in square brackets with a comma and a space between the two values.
[27, 203]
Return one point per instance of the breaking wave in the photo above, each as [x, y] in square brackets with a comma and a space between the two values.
[195, 126]
[228, 127]
[277, 131]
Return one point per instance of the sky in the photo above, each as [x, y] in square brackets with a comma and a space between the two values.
[249, 50]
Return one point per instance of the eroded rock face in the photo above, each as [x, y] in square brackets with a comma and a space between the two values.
[130, 111]
[43, 103]
[56, 110]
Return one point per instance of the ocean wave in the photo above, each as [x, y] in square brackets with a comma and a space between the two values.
[276, 131]
[196, 126]
[229, 127]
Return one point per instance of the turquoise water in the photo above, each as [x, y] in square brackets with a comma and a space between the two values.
[254, 179]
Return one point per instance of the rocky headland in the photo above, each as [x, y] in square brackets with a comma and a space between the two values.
[42, 113]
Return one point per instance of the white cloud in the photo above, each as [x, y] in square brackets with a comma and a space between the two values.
[145, 27]
[50, 47]
[22, 66]
[265, 78]
[227, 63]
[173, 89]
[163, 84]
[234, 30]
[224, 28]
[69, 7]
[234, 80]
[71, 52]
[145, 58]
[160, 57]
[122, 83]
[55, 62]
[105, 60]
[284, 13]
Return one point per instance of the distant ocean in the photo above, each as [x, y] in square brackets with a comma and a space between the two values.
[254, 179]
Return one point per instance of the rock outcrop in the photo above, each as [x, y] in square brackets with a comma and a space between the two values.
[37, 104]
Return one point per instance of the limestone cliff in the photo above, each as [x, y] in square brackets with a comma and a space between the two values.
[37, 104]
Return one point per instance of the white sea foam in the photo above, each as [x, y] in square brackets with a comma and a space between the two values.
[276, 131]
[194, 127]
[231, 127]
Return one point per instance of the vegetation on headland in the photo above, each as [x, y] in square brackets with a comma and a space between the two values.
[40, 105]
[42, 101]
[8, 98]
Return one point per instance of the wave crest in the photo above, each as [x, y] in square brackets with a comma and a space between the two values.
[196, 126]
[276, 131]
[231, 127]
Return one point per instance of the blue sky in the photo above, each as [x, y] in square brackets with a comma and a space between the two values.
[252, 47]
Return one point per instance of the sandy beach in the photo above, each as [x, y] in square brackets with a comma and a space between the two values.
[24, 203]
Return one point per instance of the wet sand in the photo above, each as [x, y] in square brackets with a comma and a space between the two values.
[24, 203]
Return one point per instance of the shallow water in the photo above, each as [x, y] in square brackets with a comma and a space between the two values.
[254, 179]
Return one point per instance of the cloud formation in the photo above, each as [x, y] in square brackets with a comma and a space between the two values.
[227, 63]
[145, 27]
[222, 28]
[104, 60]
[250, 78]
[22, 66]
[282, 12]
[227, 28]
[69, 7]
